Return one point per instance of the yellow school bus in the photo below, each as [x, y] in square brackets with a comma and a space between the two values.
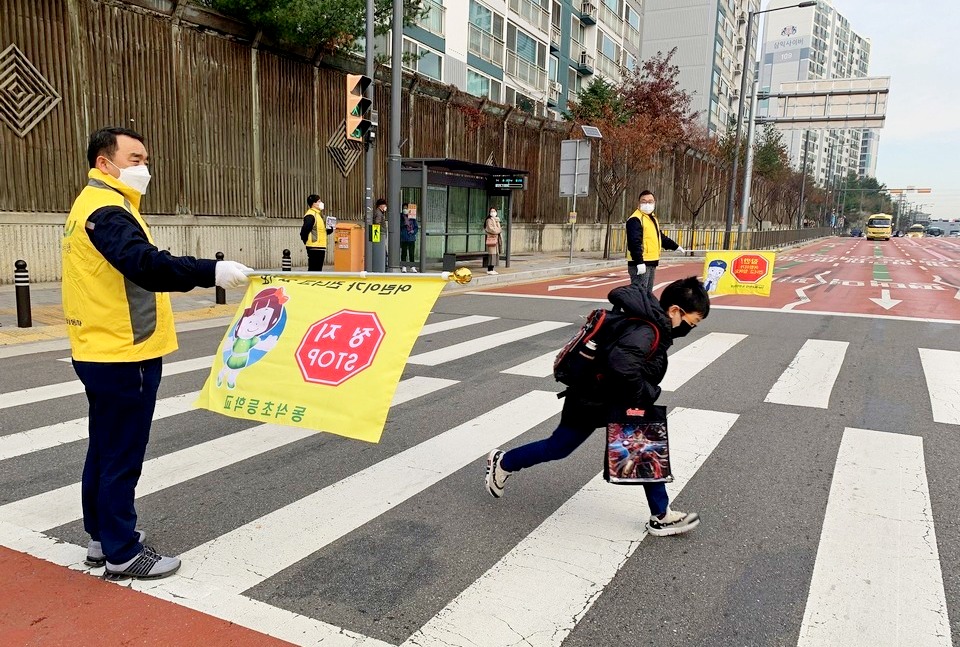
[879, 227]
[915, 231]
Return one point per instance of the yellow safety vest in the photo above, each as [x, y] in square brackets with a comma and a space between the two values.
[650, 228]
[109, 319]
[316, 239]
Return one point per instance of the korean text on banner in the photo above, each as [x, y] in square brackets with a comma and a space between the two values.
[739, 272]
[319, 353]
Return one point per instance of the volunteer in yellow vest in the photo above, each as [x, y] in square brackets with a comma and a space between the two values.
[645, 241]
[315, 242]
[120, 324]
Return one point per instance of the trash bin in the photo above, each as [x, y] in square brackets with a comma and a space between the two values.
[348, 247]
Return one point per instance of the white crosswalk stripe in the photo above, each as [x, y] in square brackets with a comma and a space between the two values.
[809, 379]
[693, 358]
[877, 578]
[940, 368]
[485, 343]
[541, 366]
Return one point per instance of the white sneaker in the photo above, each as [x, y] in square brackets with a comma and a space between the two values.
[492, 272]
[496, 477]
[403, 269]
[95, 556]
[413, 269]
[147, 565]
[673, 522]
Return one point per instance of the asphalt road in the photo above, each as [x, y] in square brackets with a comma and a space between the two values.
[560, 560]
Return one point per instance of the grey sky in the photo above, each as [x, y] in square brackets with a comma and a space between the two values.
[910, 42]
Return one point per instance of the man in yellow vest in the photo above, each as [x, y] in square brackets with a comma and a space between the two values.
[120, 324]
[645, 241]
[315, 242]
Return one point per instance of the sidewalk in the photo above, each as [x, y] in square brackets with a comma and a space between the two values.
[200, 304]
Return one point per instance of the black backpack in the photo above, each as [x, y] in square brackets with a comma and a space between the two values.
[582, 360]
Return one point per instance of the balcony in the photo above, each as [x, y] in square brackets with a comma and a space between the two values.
[588, 13]
[485, 45]
[433, 21]
[553, 97]
[554, 39]
[523, 70]
[585, 63]
[608, 68]
[532, 12]
[611, 19]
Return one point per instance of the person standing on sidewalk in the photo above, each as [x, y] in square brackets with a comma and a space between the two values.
[492, 230]
[315, 243]
[120, 324]
[635, 365]
[408, 239]
[645, 241]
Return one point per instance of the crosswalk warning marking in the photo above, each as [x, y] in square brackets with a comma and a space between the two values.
[482, 344]
[548, 582]
[453, 324]
[877, 579]
[693, 358]
[940, 370]
[808, 380]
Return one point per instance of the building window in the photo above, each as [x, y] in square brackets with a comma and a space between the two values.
[485, 34]
[433, 21]
[633, 18]
[483, 86]
[629, 61]
[526, 57]
[422, 60]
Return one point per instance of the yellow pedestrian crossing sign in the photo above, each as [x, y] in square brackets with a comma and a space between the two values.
[374, 233]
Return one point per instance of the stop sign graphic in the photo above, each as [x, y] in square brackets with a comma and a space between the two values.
[338, 347]
[749, 268]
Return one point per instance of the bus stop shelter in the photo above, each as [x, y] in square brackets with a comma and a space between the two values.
[452, 199]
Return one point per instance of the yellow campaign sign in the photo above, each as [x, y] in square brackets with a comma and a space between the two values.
[746, 272]
[319, 353]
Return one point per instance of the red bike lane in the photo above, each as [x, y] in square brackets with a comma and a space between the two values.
[919, 279]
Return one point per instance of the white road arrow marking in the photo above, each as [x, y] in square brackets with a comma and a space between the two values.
[885, 301]
[803, 298]
[937, 279]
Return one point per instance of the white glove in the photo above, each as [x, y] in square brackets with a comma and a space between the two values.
[641, 268]
[230, 274]
[681, 250]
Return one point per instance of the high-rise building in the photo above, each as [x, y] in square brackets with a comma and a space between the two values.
[534, 54]
[816, 43]
[710, 36]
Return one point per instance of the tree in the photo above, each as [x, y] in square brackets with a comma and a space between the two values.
[771, 169]
[326, 26]
[699, 169]
[643, 116]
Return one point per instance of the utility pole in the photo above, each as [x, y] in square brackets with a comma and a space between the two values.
[368, 262]
[803, 178]
[393, 161]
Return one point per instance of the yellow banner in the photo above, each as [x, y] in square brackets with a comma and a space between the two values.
[319, 353]
[747, 272]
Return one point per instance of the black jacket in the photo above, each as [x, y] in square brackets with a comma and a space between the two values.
[635, 242]
[634, 367]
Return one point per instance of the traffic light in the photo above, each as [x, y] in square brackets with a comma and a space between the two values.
[358, 107]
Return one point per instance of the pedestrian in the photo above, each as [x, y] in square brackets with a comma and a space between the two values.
[408, 238]
[634, 367]
[120, 325]
[316, 244]
[645, 241]
[492, 231]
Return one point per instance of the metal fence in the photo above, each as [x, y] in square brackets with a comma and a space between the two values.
[711, 238]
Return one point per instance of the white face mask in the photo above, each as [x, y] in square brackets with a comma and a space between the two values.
[136, 177]
[647, 208]
[493, 214]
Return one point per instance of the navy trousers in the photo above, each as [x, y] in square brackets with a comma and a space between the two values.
[122, 397]
[577, 422]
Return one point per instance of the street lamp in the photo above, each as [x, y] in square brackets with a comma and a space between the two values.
[732, 188]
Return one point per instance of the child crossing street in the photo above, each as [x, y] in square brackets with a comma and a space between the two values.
[635, 364]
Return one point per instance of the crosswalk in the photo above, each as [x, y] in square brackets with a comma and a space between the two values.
[874, 562]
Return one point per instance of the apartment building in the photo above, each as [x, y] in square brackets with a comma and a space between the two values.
[817, 43]
[533, 54]
[710, 37]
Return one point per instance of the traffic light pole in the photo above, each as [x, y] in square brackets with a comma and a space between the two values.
[368, 146]
[393, 169]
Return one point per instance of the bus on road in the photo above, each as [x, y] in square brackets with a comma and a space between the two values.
[915, 231]
[879, 227]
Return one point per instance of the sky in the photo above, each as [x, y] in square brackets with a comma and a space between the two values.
[911, 42]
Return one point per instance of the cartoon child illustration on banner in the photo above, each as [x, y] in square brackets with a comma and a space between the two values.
[715, 270]
[255, 334]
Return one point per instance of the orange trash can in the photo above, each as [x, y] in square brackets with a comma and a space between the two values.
[348, 247]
